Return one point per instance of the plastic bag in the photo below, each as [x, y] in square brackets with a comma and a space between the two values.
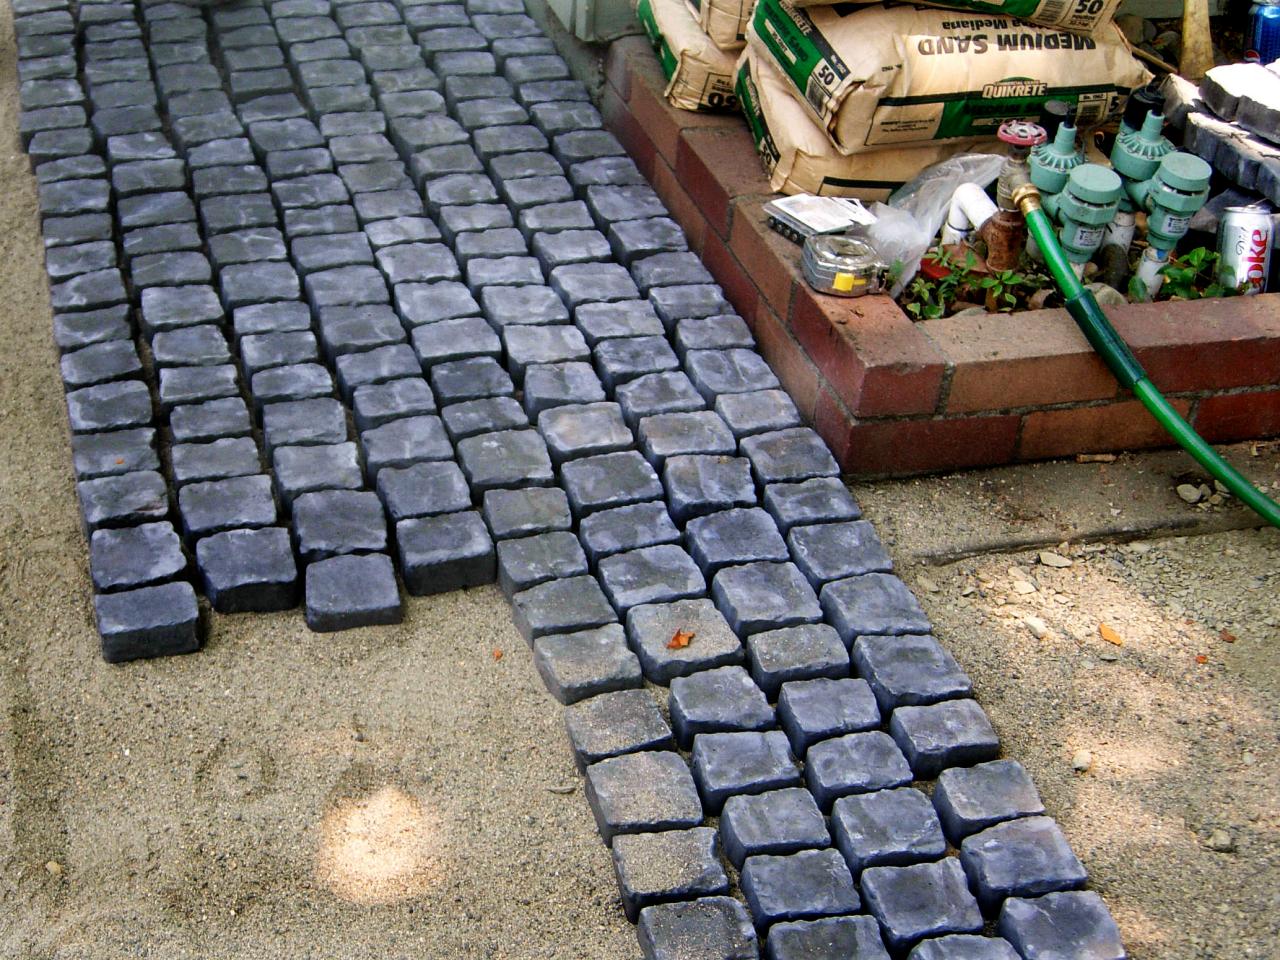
[928, 195]
[899, 240]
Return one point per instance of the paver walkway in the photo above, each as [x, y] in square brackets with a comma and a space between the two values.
[363, 290]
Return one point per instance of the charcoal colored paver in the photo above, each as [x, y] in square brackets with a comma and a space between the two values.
[709, 927]
[918, 901]
[446, 552]
[611, 724]
[352, 591]
[969, 799]
[804, 652]
[248, 570]
[810, 711]
[642, 792]
[828, 938]
[799, 886]
[886, 828]
[158, 621]
[561, 606]
[909, 670]
[779, 822]
[1060, 925]
[671, 865]
[964, 946]
[725, 764]
[586, 663]
[607, 532]
[718, 700]
[652, 628]
[1020, 858]
[947, 734]
[854, 763]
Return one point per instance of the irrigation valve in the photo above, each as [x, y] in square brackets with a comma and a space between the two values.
[1052, 162]
[1083, 209]
[1021, 136]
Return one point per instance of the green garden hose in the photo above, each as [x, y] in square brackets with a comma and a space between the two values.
[1102, 336]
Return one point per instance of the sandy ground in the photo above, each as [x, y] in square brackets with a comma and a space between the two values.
[1178, 726]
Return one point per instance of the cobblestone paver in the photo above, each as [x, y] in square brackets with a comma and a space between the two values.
[359, 297]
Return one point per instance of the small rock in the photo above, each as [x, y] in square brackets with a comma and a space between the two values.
[1107, 295]
[1050, 559]
[1222, 842]
[564, 789]
[1221, 489]
[1190, 492]
[1039, 629]
[55, 868]
[1023, 587]
[927, 585]
[1081, 761]
[1108, 657]
[1139, 547]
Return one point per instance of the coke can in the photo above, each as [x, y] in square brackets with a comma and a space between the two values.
[1244, 248]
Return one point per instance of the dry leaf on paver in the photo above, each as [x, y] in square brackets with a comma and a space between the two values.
[1201, 658]
[680, 639]
[1109, 635]
[497, 654]
[1226, 636]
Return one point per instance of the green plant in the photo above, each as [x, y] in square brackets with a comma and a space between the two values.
[1002, 288]
[1192, 276]
[926, 298]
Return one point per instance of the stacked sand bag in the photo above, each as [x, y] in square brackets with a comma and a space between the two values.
[797, 154]
[856, 99]
[880, 77]
[1087, 17]
[697, 44]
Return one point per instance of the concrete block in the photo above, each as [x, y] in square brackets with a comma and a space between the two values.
[329, 523]
[592, 663]
[726, 764]
[642, 792]
[216, 460]
[699, 485]
[552, 385]
[217, 505]
[352, 591]
[526, 512]
[948, 734]
[1074, 924]
[245, 571]
[486, 415]
[922, 900]
[870, 605]
[582, 430]
[764, 596]
[561, 606]
[969, 799]
[157, 621]
[854, 763]
[1020, 858]
[423, 490]
[133, 557]
[760, 411]
[806, 652]
[733, 537]
[651, 628]
[508, 458]
[717, 927]
[910, 670]
[613, 723]
[607, 532]
[446, 552]
[529, 561]
[673, 865]
[718, 700]
[887, 828]
[123, 500]
[113, 452]
[800, 886]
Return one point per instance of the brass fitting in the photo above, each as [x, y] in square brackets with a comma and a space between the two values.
[1027, 197]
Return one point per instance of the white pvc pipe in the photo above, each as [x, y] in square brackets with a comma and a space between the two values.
[1120, 230]
[1149, 270]
[970, 209]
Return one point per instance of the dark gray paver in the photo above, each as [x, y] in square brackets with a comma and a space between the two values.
[589, 663]
[217, 505]
[642, 792]
[764, 596]
[583, 430]
[909, 670]
[561, 606]
[798, 886]
[828, 938]
[657, 574]
[832, 551]
[671, 865]
[423, 490]
[886, 828]
[697, 485]
[725, 764]
[609, 480]
[114, 452]
[805, 652]
[300, 470]
[1058, 926]
[329, 523]
[854, 763]
[216, 460]
[872, 604]
[665, 435]
[778, 822]
[352, 591]
[948, 734]
[551, 385]
[652, 629]
[123, 500]
[718, 700]
[969, 799]
[918, 901]
[529, 561]
[132, 557]
[613, 723]
[506, 458]
[964, 946]
[248, 570]
[157, 621]
[707, 928]
[814, 710]
[1020, 858]
[733, 537]
[402, 442]
[521, 513]
[446, 552]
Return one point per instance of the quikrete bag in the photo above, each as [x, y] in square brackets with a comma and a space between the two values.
[724, 21]
[1075, 16]
[699, 74]
[800, 159]
[878, 77]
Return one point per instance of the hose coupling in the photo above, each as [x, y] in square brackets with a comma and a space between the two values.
[1026, 197]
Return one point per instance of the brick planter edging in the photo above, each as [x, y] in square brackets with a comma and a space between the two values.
[894, 397]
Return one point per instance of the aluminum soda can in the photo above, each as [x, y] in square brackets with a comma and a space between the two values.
[1244, 248]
